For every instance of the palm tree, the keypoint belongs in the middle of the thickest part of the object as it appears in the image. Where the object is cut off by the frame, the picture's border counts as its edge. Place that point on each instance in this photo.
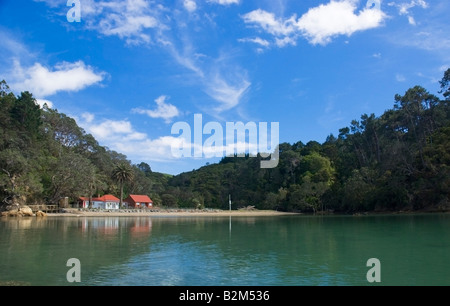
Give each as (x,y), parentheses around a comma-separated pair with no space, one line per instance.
(122,173)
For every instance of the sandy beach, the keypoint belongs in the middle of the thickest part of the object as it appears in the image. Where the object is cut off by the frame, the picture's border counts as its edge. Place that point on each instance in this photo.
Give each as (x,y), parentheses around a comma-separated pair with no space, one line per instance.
(170,213)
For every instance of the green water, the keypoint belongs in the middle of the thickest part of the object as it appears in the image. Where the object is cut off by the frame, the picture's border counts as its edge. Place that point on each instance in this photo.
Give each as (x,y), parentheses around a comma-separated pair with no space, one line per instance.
(256,251)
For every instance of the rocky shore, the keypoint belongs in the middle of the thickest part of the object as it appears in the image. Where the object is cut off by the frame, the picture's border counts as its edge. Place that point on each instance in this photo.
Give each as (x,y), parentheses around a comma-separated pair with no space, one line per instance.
(20,211)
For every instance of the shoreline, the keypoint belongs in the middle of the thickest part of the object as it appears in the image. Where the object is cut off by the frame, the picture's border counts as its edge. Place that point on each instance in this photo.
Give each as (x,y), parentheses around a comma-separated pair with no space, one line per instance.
(74,213)
(164,213)
(71,213)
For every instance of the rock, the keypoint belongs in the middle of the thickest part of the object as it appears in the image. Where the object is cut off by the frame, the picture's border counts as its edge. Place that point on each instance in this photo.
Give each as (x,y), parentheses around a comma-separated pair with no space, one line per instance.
(15,213)
(41,214)
(23,211)
(26,211)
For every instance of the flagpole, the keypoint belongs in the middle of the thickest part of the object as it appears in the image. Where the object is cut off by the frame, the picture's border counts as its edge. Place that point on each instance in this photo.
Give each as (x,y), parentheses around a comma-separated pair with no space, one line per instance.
(229,202)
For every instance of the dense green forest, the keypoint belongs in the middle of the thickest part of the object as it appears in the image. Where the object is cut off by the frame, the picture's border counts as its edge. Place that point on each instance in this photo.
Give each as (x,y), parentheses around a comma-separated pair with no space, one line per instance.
(45,155)
(397,161)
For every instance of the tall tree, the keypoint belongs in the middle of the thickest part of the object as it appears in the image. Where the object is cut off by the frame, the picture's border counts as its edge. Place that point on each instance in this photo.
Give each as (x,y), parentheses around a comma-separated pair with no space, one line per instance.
(69,176)
(445,84)
(27,114)
(144,167)
(122,173)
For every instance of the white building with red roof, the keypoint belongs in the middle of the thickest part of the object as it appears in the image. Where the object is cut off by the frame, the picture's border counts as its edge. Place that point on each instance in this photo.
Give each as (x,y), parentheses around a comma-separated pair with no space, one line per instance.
(105,202)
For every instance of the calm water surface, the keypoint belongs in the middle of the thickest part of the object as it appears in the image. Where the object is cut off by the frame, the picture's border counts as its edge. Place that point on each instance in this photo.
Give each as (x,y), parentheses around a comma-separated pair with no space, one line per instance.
(255,251)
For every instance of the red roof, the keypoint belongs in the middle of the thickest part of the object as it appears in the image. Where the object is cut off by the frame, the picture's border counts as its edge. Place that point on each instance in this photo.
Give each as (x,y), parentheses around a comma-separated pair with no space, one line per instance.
(105,198)
(109,198)
(140,198)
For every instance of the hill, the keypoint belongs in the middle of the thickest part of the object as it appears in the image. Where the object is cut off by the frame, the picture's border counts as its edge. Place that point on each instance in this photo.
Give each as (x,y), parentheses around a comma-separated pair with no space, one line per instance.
(45,155)
(397,161)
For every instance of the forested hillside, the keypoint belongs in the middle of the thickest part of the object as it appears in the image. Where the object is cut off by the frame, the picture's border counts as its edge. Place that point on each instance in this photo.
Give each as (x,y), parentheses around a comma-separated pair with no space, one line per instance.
(45,155)
(397,161)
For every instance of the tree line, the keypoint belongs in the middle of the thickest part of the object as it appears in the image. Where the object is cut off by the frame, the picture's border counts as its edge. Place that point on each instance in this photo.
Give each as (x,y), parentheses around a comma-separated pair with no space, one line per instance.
(397,161)
(45,156)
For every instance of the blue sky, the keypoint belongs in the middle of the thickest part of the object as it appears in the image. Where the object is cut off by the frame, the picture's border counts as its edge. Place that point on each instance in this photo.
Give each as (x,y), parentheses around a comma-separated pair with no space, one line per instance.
(131,69)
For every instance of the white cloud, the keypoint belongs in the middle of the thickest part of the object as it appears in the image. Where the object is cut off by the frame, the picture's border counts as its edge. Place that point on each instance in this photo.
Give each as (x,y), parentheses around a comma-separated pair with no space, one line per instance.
(190,5)
(268,22)
(88,117)
(121,136)
(41,103)
(228,94)
(129,27)
(221,79)
(225,2)
(150,22)
(411,20)
(164,110)
(159,149)
(405,7)
(257,40)
(129,20)
(43,82)
(285,41)
(377,55)
(109,128)
(320,24)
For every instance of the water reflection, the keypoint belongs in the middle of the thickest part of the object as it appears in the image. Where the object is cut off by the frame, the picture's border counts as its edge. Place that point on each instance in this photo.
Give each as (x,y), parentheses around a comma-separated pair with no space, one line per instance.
(36,250)
(226,251)
(109,227)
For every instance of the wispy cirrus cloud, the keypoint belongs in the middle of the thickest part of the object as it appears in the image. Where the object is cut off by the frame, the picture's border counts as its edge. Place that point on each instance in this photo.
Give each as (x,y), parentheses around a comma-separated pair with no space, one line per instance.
(225,2)
(220,77)
(227,93)
(262,44)
(404,8)
(11,46)
(141,22)
(256,40)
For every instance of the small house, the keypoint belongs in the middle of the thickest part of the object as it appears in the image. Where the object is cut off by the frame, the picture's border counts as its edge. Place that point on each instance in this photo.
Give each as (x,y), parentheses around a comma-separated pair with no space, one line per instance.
(105,202)
(139,201)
